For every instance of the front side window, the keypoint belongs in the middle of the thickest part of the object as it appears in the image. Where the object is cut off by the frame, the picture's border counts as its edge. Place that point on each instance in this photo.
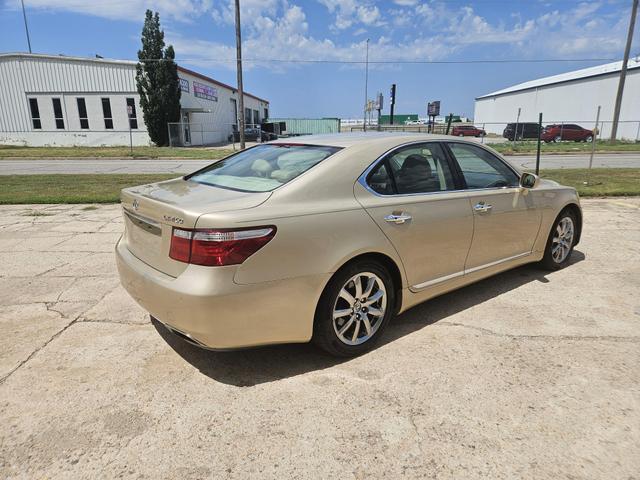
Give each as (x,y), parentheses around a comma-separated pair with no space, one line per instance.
(57,113)
(481,169)
(262,168)
(106,112)
(415,169)
(82,113)
(131,112)
(35,113)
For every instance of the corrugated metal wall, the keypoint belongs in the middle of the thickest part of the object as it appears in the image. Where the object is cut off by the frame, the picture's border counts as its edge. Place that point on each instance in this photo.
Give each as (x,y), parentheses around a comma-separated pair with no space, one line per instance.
(310,126)
(22,76)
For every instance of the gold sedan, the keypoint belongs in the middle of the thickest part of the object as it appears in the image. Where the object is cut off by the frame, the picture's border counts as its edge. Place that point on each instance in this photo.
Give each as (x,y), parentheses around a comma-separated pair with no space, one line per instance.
(327,238)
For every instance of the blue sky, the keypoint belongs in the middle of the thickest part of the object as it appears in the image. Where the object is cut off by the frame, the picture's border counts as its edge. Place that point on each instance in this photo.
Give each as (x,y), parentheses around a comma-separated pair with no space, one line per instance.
(202,32)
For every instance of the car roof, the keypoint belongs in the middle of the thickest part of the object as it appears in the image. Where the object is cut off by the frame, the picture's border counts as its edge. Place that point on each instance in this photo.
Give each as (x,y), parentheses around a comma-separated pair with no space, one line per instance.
(345,140)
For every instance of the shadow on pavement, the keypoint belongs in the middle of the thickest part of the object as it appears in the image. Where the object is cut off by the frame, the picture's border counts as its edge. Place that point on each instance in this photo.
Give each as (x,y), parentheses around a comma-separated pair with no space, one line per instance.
(251,367)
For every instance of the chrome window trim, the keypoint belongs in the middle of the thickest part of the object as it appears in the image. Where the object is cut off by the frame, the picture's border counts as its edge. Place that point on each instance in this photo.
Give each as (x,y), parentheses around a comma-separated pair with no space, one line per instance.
(362,179)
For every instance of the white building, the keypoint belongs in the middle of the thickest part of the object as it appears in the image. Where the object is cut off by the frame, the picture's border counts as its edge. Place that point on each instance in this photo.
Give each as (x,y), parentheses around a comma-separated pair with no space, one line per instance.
(571,97)
(60,100)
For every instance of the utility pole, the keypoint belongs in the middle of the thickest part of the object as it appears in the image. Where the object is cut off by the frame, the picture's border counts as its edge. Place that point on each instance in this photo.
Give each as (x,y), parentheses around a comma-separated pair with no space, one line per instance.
(239,69)
(366,86)
(26,27)
(623,72)
(392,102)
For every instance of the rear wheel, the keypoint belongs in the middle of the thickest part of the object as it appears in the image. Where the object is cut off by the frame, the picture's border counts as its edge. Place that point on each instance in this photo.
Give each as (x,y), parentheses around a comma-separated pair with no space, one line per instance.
(557,139)
(589,139)
(562,239)
(354,309)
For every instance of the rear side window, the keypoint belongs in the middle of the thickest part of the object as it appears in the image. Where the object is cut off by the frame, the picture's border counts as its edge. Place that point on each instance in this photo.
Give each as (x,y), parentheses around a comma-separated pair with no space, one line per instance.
(414,169)
(481,169)
(263,168)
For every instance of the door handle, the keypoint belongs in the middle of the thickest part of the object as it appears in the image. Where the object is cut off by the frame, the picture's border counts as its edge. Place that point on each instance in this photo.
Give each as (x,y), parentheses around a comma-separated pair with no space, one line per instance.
(398,219)
(482,207)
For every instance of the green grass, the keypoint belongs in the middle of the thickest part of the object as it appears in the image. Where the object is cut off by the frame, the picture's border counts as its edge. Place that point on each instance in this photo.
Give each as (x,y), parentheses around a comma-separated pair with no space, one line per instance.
(7,151)
(16,189)
(93,189)
(602,182)
(602,146)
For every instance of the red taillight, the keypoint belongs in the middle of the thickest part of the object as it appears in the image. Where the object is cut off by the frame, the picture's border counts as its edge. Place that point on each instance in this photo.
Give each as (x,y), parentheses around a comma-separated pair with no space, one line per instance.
(181,245)
(214,247)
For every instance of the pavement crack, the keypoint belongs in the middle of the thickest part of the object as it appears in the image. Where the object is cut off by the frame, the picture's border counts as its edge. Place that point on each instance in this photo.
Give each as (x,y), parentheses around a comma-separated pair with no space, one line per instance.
(35,352)
(116,322)
(493,333)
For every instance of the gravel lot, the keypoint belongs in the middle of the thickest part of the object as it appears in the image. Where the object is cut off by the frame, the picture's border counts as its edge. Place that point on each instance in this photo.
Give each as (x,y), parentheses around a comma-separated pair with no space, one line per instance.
(525,375)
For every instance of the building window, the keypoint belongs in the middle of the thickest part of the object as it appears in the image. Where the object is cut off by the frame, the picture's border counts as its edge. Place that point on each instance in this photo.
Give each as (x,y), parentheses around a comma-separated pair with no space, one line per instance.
(57,113)
(131,111)
(106,112)
(266,114)
(247,117)
(82,113)
(256,117)
(35,113)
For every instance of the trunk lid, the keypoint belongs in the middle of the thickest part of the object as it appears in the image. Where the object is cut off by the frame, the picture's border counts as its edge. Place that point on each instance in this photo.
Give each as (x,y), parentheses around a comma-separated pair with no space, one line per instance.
(151,211)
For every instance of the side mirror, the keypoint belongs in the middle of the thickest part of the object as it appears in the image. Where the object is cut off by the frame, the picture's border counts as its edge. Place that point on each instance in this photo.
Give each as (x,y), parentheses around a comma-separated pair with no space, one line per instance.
(528,180)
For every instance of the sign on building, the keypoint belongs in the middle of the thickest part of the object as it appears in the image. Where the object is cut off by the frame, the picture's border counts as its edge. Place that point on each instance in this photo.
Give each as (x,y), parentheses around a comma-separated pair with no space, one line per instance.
(201,90)
(184,85)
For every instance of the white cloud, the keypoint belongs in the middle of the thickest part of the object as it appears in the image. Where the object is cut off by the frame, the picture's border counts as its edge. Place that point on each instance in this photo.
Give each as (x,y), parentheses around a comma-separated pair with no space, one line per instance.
(402,30)
(350,13)
(181,10)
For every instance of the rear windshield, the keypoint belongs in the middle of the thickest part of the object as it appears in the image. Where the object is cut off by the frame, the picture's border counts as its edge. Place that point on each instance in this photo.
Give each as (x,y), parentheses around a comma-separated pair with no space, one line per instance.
(263,168)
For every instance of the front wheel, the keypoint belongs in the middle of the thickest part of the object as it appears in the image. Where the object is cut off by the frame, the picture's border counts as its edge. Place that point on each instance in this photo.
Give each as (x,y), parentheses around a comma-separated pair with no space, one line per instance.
(562,239)
(557,139)
(589,139)
(354,309)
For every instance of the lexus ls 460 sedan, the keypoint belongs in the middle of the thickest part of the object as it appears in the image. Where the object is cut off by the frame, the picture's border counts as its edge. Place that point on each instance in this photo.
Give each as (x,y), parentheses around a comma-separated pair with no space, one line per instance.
(329,238)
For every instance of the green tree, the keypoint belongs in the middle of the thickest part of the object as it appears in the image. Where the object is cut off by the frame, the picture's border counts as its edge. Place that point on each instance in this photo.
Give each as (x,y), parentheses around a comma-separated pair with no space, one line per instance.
(157,81)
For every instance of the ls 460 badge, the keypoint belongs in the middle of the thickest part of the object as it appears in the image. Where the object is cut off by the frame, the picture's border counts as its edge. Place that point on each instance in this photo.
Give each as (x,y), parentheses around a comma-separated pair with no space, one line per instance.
(176,220)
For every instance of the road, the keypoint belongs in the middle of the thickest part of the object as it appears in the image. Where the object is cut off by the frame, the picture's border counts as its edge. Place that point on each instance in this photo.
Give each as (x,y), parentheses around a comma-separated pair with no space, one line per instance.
(525,375)
(127,165)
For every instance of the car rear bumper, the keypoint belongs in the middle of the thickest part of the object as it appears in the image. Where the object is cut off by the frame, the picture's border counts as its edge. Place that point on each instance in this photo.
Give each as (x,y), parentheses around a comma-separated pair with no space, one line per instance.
(207,306)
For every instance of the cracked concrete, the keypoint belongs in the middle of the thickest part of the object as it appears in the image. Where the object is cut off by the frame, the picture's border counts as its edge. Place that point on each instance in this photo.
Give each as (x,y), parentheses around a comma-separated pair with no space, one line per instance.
(525,375)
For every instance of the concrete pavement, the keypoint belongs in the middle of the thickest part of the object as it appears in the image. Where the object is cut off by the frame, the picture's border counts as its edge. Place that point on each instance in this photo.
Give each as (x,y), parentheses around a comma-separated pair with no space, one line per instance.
(528,375)
(125,165)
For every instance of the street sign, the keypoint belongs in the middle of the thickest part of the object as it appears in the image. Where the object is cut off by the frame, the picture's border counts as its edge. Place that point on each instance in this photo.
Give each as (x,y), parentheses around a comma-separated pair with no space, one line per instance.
(379,102)
(433,108)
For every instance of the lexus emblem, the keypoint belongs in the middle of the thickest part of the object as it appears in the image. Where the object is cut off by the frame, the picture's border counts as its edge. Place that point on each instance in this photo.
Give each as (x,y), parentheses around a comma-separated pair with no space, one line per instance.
(135,204)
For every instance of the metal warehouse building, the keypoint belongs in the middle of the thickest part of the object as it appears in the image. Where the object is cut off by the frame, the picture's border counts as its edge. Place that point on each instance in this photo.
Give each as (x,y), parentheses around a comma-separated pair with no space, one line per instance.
(60,100)
(571,97)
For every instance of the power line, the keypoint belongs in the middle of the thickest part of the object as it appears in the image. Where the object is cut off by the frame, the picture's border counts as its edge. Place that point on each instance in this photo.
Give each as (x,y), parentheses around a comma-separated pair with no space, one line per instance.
(389,62)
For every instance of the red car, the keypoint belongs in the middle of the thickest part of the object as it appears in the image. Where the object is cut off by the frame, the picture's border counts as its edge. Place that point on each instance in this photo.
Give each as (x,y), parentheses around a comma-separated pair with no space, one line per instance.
(557,133)
(467,131)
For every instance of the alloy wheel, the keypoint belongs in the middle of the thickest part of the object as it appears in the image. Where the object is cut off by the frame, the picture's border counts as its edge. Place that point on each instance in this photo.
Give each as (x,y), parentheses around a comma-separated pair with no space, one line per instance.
(562,240)
(359,309)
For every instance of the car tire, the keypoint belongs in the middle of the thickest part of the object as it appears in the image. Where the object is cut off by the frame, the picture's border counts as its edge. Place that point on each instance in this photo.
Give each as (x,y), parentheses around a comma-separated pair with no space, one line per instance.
(560,243)
(589,139)
(356,331)
(557,139)
(461,134)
